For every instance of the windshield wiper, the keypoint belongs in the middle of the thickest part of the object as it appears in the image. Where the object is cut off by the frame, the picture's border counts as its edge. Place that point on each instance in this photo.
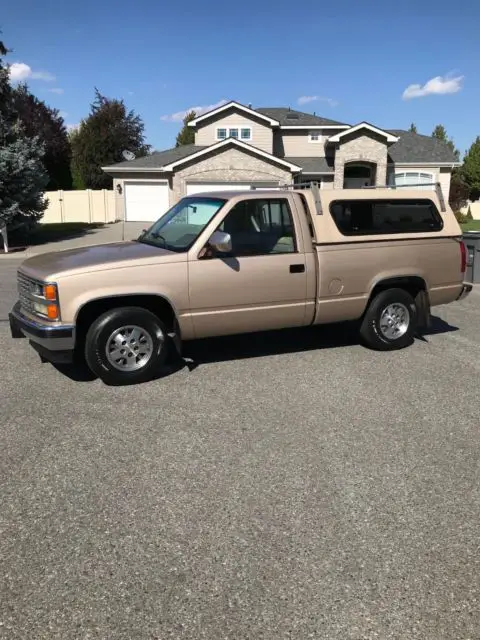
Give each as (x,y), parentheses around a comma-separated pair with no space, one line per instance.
(145,237)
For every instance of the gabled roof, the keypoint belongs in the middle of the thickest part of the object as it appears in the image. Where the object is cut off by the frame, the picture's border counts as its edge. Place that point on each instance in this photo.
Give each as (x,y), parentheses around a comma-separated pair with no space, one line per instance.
(157,160)
(236,105)
(314,165)
(236,143)
(413,148)
(168,160)
(289,117)
(364,125)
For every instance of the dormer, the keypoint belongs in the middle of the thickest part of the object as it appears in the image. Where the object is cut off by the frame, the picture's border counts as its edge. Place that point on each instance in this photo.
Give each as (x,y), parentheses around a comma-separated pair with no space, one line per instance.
(235,120)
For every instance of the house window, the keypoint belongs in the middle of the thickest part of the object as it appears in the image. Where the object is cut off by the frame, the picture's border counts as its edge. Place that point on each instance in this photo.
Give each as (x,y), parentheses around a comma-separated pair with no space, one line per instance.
(414,179)
(244,133)
(373,217)
(315,136)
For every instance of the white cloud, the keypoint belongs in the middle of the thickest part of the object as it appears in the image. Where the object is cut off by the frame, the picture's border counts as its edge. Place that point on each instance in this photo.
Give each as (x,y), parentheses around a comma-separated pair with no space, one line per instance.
(307,99)
(72,127)
(56,90)
(180,115)
(436,86)
(20,71)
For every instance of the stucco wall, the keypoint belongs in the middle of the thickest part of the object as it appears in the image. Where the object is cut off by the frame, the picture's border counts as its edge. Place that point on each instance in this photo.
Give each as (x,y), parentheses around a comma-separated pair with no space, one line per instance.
(361,148)
(231,165)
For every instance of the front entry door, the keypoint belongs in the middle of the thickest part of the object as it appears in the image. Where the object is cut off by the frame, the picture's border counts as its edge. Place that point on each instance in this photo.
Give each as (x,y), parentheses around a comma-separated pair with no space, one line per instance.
(261,284)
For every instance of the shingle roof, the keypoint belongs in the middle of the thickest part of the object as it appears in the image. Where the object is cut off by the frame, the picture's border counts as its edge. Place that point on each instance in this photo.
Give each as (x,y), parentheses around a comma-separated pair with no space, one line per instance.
(314,165)
(287,116)
(159,159)
(413,147)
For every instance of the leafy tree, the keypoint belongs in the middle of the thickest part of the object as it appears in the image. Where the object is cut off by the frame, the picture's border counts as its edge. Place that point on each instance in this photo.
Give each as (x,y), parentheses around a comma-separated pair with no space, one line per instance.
(441,134)
(22,175)
(40,120)
(459,190)
(471,169)
(101,138)
(186,134)
(413,128)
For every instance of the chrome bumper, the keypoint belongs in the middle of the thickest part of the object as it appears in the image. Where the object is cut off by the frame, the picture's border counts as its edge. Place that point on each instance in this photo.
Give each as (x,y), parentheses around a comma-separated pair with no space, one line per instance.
(466,288)
(47,337)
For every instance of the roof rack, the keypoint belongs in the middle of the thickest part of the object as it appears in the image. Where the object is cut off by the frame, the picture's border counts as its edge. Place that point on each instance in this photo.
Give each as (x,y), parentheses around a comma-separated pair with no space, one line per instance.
(437,185)
(314,188)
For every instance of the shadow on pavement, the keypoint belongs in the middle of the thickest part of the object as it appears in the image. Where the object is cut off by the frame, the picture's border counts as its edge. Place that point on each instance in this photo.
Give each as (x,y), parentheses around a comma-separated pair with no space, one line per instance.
(55,232)
(256,345)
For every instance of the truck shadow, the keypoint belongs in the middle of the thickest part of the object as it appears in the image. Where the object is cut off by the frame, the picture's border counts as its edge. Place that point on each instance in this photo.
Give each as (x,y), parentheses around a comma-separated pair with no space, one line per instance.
(259,345)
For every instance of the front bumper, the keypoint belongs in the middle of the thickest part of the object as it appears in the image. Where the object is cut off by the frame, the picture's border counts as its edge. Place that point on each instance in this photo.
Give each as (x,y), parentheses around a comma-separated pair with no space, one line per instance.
(54,343)
(466,289)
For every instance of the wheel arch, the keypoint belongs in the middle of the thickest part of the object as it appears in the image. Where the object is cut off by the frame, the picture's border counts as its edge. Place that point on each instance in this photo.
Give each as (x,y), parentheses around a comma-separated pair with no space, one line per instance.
(160,305)
(415,285)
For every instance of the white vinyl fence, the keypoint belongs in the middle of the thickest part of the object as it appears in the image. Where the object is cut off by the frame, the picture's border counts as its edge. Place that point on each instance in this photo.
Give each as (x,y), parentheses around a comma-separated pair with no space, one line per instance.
(474,209)
(80,206)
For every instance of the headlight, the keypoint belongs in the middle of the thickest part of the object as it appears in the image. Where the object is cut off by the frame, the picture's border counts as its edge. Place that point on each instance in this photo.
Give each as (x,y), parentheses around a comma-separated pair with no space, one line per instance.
(45,300)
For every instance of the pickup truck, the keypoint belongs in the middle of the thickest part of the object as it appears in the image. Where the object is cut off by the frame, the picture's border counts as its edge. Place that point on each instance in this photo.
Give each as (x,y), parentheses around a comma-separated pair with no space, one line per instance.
(234,262)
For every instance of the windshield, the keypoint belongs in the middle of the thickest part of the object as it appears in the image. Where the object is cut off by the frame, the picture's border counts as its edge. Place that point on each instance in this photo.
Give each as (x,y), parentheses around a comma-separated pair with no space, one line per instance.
(181,225)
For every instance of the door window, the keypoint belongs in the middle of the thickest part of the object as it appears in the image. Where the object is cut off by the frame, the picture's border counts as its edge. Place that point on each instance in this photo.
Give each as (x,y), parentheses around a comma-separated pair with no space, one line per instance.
(260,227)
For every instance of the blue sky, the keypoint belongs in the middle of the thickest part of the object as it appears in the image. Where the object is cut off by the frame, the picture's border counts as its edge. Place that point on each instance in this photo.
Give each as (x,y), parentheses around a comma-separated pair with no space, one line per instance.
(356,59)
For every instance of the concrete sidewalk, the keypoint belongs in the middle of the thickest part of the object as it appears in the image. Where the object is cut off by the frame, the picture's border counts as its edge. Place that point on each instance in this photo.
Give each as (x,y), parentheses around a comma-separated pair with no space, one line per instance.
(117,232)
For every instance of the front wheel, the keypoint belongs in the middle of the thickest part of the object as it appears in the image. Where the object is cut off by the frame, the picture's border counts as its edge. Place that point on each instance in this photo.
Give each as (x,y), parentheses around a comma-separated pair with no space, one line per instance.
(390,321)
(126,345)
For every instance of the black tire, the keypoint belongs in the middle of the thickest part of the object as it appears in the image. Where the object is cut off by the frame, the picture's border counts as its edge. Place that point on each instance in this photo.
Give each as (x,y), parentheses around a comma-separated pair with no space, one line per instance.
(97,340)
(371,331)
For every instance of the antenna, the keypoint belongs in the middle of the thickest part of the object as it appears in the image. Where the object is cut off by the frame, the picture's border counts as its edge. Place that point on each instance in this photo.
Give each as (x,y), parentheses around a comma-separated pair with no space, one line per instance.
(128,155)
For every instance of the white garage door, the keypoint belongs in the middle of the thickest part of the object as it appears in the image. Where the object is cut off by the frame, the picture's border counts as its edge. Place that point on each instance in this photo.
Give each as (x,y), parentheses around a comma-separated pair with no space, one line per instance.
(145,201)
(224,186)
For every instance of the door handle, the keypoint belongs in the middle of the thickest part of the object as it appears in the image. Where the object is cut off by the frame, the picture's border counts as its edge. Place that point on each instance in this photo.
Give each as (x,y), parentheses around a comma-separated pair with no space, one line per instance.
(297,268)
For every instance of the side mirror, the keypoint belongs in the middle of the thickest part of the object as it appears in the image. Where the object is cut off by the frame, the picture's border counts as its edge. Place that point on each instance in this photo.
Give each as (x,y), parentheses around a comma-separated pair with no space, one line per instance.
(221,241)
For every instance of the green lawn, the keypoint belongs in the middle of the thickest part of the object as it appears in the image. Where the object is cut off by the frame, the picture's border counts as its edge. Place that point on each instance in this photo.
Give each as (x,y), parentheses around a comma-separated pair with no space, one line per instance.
(471,225)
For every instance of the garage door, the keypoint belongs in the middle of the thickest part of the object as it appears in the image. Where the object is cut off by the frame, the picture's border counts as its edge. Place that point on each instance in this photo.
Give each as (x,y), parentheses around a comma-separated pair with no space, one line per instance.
(223,186)
(145,201)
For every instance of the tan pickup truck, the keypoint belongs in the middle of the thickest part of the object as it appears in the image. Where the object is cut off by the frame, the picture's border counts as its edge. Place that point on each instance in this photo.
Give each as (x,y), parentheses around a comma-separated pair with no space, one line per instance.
(235,262)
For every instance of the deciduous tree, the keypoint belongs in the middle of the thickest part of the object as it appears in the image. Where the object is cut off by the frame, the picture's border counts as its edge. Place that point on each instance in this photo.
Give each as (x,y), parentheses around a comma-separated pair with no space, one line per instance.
(108,130)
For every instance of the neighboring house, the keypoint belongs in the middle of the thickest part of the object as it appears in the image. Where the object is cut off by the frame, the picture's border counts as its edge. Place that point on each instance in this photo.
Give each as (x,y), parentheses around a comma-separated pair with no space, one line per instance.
(237,147)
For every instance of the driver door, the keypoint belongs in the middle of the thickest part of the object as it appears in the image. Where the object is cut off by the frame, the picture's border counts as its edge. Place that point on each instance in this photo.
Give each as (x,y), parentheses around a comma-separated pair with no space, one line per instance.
(261,284)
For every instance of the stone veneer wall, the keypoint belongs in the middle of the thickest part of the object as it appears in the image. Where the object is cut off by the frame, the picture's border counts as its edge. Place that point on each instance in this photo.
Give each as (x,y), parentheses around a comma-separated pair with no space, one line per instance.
(362,148)
(231,165)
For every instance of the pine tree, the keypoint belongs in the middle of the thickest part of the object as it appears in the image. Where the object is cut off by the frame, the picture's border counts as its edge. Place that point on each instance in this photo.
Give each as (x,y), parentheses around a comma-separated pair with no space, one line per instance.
(186,134)
(22,174)
(102,136)
(440,133)
(40,120)
(471,169)
(413,128)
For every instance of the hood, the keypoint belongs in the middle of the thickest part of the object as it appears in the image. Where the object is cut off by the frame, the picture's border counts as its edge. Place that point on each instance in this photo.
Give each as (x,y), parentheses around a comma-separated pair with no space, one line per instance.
(95,258)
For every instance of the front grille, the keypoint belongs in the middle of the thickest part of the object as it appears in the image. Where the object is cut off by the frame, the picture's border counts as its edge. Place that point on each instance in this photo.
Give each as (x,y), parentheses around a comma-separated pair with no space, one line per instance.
(26,287)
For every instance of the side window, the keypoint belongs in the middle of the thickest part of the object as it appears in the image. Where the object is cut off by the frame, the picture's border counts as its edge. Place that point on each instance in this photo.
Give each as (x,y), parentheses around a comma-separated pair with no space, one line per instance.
(371,217)
(260,227)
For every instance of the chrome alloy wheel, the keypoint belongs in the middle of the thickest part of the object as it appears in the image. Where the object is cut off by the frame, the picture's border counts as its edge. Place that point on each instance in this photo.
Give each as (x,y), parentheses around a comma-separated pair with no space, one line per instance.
(394,321)
(129,348)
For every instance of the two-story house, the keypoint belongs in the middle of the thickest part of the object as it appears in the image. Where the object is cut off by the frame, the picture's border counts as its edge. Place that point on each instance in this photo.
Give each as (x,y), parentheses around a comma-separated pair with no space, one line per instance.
(237,147)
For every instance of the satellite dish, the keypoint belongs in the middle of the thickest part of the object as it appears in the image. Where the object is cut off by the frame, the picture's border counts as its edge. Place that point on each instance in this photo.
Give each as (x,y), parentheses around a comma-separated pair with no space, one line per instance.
(128,155)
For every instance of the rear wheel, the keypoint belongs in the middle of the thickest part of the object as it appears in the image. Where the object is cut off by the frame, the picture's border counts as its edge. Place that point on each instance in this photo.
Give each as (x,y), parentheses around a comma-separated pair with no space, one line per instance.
(390,321)
(127,345)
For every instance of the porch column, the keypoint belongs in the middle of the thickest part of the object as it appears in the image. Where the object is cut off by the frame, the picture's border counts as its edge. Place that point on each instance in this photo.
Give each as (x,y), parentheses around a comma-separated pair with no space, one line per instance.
(339,173)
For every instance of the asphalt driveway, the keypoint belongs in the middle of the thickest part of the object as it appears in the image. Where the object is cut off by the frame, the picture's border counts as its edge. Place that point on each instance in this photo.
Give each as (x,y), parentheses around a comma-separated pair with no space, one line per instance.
(295,486)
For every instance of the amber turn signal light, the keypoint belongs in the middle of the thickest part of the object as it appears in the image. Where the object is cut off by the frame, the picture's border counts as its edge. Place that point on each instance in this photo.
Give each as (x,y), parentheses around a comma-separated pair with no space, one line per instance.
(52,311)
(50,291)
